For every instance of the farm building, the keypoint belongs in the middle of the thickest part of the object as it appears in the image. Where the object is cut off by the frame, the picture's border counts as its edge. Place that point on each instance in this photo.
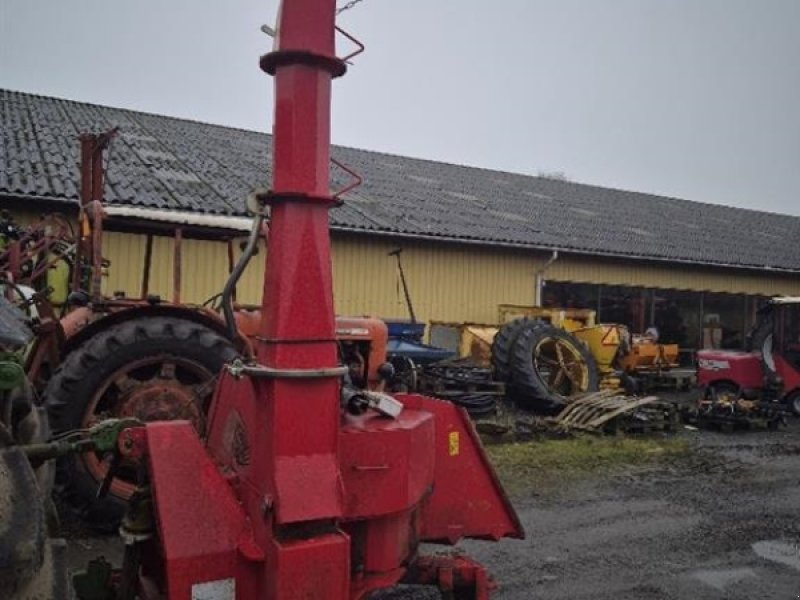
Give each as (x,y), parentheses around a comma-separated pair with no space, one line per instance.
(472,238)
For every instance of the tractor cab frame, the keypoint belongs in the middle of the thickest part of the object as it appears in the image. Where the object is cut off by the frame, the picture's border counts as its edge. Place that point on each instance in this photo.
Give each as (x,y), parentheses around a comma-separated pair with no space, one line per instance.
(769,371)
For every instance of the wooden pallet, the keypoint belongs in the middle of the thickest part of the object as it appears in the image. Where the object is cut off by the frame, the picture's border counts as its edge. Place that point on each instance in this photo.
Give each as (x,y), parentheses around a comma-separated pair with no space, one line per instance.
(613,412)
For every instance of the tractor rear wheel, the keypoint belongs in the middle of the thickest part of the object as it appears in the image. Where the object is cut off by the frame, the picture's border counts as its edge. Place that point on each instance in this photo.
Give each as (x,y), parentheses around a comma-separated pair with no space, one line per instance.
(793,402)
(156,368)
(503,346)
(549,366)
(32,564)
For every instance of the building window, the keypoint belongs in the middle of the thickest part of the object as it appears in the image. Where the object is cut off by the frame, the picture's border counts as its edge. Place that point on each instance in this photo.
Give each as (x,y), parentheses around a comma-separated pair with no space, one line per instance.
(678,317)
(570,295)
(724,321)
(692,320)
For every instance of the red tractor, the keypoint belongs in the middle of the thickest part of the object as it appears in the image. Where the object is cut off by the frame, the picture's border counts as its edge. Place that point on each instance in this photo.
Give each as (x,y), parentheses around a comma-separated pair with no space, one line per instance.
(767,376)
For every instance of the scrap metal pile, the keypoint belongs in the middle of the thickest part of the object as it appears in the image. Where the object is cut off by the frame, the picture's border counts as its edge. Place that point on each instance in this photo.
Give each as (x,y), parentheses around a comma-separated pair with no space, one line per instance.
(556,363)
(463,383)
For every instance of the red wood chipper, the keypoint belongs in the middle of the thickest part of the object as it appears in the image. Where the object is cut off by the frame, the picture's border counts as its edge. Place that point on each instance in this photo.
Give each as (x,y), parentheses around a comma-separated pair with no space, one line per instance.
(307,487)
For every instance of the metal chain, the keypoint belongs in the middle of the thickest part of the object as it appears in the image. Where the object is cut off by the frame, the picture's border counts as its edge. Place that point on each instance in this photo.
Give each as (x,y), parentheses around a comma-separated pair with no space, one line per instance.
(347,6)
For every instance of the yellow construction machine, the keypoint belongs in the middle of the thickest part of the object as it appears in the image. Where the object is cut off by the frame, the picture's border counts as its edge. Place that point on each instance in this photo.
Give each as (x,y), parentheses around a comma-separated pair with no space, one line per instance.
(547,356)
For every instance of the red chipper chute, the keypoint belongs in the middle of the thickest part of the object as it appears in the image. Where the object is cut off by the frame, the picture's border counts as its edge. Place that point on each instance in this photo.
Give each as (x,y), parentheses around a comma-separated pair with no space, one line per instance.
(308,487)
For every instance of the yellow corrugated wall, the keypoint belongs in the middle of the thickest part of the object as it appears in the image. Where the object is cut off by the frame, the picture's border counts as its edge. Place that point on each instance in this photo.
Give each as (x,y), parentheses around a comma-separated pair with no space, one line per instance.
(204,268)
(448,282)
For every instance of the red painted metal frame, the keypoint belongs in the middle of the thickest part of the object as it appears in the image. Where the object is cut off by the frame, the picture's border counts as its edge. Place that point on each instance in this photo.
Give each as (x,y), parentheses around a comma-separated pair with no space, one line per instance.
(729,366)
(92,193)
(292,497)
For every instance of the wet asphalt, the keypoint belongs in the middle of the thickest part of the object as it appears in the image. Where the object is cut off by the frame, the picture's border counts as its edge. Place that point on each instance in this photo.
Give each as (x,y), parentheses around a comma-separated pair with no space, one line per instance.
(720,522)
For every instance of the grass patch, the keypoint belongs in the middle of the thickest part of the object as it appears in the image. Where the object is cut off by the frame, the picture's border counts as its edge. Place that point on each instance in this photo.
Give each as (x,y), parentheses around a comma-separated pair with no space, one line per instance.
(540,463)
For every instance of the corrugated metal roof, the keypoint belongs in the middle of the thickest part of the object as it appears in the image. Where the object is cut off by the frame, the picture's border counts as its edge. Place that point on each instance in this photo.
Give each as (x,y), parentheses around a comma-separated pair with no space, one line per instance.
(169,163)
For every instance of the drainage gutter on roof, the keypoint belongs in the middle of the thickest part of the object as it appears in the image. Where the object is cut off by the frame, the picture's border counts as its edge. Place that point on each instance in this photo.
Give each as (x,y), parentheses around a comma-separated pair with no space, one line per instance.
(244,223)
(180,217)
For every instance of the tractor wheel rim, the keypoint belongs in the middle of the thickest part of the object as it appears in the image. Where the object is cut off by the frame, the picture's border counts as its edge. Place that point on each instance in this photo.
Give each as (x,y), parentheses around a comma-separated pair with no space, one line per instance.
(561,367)
(156,388)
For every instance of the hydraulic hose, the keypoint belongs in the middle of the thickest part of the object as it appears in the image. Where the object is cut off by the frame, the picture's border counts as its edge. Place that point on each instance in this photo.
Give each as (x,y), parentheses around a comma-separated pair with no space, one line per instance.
(236,274)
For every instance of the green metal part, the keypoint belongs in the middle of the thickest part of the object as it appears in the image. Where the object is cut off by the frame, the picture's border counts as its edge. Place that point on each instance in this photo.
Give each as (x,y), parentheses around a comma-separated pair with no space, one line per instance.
(100,438)
(12,373)
(94,583)
(104,435)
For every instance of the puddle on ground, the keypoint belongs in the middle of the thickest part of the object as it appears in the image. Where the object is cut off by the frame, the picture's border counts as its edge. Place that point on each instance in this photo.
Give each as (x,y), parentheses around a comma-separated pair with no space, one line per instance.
(779,551)
(721,578)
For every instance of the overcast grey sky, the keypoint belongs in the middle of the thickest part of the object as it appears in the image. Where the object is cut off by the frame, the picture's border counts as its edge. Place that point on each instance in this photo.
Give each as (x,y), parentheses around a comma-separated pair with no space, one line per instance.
(698,99)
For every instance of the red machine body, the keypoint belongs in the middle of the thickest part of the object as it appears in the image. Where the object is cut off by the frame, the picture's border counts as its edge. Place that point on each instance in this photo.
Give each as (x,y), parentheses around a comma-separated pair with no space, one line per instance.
(294,496)
(742,369)
(772,369)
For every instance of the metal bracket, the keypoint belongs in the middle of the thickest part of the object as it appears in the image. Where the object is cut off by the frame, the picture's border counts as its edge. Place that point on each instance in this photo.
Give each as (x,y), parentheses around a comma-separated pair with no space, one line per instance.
(359,50)
(357,180)
(238,369)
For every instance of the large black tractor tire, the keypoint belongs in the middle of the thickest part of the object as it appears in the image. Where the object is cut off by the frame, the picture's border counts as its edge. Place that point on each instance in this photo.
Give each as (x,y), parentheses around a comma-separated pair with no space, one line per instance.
(32,565)
(155,368)
(540,381)
(503,346)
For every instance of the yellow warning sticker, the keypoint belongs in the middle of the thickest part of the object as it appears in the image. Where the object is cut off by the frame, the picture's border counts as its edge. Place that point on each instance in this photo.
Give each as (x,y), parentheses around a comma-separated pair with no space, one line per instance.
(452,443)
(611,337)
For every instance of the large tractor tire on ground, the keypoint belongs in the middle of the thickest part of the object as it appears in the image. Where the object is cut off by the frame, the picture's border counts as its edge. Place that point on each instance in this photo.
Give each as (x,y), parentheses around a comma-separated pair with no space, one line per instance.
(32,565)
(503,346)
(155,368)
(549,366)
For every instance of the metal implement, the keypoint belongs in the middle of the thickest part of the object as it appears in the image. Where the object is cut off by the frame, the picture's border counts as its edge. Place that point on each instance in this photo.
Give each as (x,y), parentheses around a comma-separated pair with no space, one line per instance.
(755,388)
(305,487)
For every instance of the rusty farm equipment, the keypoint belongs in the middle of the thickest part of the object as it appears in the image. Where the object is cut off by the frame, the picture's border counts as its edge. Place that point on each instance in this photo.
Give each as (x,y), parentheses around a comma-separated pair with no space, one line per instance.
(95,357)
(305,485)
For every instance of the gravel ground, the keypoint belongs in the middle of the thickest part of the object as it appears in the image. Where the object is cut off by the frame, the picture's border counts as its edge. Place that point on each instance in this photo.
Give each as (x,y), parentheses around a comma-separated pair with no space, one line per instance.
(718,522)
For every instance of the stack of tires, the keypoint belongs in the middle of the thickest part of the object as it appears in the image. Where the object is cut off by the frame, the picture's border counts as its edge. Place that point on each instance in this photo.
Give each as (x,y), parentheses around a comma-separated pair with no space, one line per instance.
(542,365)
